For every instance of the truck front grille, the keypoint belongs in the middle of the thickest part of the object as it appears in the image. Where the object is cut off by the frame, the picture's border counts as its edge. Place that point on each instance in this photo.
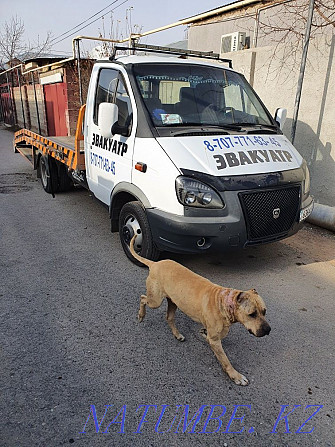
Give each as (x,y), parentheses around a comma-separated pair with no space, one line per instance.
(269,214)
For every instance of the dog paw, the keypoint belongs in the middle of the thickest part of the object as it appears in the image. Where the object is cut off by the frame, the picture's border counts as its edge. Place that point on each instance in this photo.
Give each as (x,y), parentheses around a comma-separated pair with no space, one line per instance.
(239,379)
(203,332)
(180,338)
(140,318)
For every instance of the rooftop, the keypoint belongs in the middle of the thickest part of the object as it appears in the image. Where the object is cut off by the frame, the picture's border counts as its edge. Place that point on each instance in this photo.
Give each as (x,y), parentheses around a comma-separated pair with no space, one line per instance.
(222,9)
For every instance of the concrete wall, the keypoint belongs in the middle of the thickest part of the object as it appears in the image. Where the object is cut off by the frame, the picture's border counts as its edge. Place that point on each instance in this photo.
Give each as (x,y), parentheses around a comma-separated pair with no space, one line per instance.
(264,22)
(207,36)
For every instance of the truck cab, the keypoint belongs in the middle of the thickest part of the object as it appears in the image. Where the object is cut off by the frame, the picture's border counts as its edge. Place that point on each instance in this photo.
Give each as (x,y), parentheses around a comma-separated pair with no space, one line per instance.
(186,155)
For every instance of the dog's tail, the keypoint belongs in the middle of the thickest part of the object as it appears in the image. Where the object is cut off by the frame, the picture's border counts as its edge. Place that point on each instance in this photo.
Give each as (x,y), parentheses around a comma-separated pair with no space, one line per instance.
(144,261)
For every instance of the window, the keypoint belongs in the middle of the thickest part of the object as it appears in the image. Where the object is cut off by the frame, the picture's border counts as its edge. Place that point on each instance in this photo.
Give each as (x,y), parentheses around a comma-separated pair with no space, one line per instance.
(169,92)
(187,94)
(111,88)
(124,105)
(105,90)
(244,104)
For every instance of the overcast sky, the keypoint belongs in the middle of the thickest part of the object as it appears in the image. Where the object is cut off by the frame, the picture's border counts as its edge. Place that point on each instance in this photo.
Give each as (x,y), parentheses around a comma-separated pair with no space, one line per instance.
(59,16)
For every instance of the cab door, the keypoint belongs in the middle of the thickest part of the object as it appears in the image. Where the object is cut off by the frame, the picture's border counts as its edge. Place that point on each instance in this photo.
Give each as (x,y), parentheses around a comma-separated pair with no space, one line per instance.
(109,160)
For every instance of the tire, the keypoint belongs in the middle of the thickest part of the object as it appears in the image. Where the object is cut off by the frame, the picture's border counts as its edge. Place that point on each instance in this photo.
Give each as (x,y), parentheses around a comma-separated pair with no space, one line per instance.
(65,182)
(49,174)
(133,220)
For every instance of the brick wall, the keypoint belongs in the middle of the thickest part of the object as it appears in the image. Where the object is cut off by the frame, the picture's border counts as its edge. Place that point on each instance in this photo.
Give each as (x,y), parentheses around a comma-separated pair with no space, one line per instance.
(73,95)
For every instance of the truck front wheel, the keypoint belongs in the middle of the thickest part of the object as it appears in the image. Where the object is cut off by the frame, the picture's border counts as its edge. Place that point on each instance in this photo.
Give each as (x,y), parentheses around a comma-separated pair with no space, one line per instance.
(133,220)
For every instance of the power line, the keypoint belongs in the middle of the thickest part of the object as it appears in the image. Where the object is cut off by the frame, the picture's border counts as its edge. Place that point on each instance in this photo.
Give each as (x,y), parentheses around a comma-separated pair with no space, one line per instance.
(81,23)
(89,23)
(75,27)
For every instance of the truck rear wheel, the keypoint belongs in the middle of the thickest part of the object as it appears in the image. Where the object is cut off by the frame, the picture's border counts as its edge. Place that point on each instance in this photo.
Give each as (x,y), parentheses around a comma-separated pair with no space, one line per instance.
(133,220)
(48,174)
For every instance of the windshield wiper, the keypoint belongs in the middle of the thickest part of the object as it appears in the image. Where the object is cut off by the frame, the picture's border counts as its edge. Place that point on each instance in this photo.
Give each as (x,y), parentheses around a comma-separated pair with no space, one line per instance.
(217,129)
(228,126)
(198,129)
(258,128)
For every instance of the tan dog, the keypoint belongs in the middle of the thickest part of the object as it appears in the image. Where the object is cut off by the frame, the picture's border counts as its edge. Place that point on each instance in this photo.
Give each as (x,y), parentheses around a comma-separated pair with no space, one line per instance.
(214,306)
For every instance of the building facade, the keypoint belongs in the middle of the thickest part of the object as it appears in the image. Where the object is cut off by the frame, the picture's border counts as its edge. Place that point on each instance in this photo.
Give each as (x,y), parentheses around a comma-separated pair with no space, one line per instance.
(45,101)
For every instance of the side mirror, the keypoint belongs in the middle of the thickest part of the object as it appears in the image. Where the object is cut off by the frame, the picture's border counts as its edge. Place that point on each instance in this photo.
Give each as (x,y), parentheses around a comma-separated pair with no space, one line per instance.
(120,130)
(280,117)
(107,116)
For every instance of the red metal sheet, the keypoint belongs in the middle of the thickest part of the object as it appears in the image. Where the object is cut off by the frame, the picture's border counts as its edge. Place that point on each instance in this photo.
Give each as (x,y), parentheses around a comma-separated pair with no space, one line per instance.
(56,109)
(7,108)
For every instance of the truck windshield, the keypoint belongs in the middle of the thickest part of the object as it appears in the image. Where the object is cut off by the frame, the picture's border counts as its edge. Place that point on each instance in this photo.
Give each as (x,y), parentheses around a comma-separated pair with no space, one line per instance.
(186,94)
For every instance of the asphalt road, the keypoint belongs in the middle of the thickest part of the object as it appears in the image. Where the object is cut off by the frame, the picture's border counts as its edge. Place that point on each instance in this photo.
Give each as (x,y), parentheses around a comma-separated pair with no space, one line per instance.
(77,367)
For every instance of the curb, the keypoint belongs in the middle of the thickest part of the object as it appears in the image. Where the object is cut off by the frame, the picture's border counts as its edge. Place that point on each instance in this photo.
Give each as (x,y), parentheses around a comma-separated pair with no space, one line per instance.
(323,216)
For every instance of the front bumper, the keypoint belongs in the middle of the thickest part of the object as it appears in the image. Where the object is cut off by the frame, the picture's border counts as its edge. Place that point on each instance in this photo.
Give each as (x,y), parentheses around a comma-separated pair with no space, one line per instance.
(191,234)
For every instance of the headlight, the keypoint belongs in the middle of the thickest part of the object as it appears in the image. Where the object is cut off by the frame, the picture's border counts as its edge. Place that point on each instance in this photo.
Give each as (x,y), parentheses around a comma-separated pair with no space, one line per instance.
(307,180)
(191,192)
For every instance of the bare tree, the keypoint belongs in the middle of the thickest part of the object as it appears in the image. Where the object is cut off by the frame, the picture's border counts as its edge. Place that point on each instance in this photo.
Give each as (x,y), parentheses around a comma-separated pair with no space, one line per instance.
(285,24)
(105,49)
(12,44)
(11,39)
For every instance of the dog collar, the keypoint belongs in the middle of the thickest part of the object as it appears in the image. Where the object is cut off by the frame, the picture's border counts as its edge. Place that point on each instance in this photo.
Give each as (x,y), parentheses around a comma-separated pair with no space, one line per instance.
(230,302)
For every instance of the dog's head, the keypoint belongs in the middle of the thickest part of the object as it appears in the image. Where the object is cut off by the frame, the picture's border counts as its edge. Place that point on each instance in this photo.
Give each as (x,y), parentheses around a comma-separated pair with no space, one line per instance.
(248,308)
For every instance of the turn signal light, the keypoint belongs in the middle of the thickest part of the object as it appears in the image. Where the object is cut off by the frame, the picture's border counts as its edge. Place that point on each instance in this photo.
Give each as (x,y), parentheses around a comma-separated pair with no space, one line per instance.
(142,167)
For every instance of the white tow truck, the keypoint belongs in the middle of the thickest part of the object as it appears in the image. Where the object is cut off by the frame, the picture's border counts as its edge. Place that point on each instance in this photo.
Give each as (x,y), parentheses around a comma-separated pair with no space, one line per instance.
(182,151)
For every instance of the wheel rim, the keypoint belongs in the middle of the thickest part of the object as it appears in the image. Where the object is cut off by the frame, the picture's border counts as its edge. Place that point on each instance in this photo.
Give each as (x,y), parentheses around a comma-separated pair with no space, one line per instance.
(44,175)
(130,228)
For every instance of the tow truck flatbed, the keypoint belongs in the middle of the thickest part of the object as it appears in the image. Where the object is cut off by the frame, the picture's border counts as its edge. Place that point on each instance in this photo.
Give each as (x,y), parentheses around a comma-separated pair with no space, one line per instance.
(67,150)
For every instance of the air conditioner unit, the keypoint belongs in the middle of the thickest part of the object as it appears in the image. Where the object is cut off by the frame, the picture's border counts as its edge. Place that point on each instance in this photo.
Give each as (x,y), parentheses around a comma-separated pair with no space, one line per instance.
(232,42)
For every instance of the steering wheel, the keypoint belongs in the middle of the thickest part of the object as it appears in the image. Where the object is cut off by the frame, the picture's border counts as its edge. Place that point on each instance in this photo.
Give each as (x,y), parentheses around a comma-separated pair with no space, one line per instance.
(216,114)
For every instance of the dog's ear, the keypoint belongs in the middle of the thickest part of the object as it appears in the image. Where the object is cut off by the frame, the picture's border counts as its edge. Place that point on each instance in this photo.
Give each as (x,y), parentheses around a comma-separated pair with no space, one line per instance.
(239,297)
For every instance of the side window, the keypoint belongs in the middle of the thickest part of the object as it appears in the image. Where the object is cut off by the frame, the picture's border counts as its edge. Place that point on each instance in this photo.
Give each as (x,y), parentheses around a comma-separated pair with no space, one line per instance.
(124,105)
(106,88)
(111,88)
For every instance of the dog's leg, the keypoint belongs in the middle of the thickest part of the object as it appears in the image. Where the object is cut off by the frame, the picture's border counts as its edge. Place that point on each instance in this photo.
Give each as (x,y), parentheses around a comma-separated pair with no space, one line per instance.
(216,346)
(171,310)
(142,310)
(153,298)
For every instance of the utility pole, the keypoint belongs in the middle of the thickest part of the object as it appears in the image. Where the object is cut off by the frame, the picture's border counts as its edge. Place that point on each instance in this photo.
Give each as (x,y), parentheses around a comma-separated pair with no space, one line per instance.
(302,69)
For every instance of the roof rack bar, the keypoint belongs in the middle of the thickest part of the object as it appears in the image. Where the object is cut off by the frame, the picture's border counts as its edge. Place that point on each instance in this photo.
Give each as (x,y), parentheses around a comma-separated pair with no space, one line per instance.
(169,50)
(180,50)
